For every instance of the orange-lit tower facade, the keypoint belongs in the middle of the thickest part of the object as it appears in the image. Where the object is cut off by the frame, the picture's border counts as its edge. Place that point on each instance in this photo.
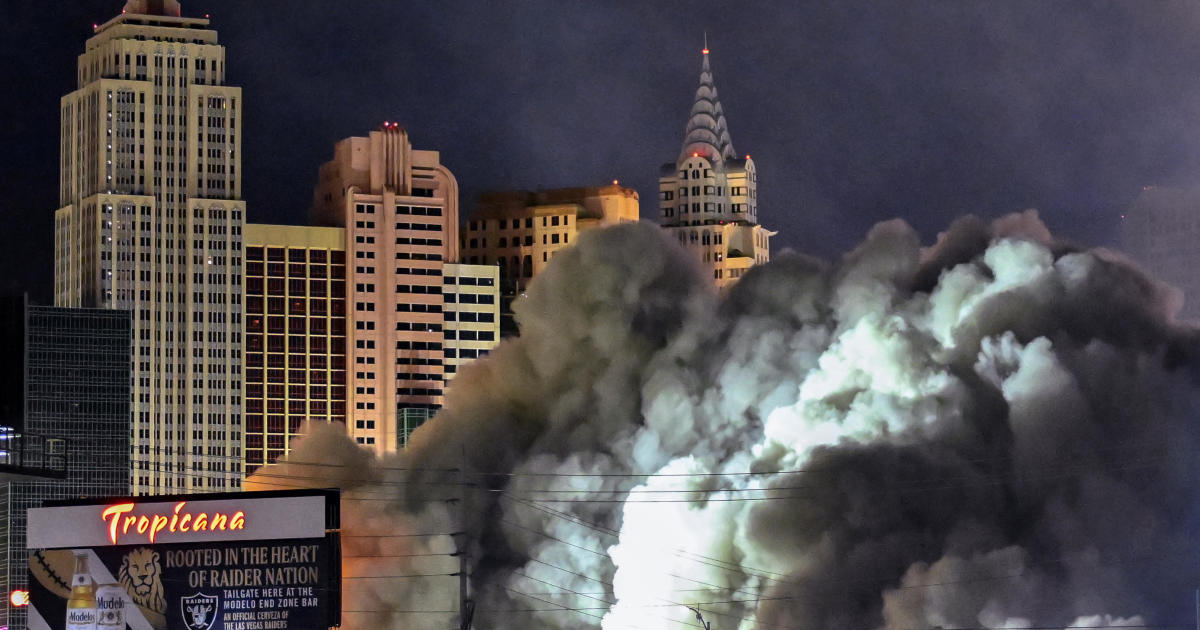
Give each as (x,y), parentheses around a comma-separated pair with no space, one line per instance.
(399,209)
(708,197)
(295,335)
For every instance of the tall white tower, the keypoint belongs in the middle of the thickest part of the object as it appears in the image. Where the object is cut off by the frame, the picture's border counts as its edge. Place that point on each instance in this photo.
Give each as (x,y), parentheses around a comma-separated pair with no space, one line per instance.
(151,222)
(708,197)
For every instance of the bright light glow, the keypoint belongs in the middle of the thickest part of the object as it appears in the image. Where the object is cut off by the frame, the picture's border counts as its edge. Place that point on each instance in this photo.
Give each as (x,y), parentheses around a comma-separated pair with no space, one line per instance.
(19,598)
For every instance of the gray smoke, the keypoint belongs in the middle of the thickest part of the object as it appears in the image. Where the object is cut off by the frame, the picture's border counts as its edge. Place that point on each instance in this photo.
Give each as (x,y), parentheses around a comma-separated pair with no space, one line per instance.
(994,431)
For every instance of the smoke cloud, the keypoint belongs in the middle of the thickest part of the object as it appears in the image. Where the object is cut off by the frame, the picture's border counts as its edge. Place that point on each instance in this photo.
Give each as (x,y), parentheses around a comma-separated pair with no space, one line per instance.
(997,430)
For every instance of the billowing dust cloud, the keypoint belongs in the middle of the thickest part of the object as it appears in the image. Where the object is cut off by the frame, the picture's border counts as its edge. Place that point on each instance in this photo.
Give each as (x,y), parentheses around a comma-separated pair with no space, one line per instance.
(997,430)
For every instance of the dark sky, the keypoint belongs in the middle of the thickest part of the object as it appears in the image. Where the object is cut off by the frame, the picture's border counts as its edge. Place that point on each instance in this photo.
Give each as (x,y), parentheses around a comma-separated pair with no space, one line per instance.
(855,112)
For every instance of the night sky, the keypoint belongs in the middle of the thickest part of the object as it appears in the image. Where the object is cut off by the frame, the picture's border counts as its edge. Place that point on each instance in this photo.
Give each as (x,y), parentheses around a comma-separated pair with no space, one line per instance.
(854,112)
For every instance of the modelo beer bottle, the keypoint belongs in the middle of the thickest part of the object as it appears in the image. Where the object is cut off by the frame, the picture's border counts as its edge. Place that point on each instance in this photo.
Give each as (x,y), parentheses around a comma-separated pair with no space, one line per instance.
(81,607)
(110,607)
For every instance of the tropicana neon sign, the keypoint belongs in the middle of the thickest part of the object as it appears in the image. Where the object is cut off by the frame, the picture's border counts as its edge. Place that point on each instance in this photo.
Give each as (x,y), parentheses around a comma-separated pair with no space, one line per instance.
(176,521)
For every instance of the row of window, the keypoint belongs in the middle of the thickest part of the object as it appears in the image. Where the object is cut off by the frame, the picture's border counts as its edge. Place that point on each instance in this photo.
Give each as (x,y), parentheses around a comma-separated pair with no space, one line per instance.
(295,254)
(469,281)
(420,211)
(295,270)
(503,224)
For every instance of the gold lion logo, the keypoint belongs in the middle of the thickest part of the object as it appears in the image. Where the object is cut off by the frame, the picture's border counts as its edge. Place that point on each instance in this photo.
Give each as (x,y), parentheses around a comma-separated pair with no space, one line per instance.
(141,576)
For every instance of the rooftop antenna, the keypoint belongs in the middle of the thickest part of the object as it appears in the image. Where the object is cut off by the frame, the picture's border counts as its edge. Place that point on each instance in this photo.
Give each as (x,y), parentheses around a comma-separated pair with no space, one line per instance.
(706,42)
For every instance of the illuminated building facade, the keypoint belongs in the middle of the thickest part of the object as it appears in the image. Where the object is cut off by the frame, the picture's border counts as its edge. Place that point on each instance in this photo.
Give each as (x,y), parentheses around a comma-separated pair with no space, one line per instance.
(399,210)
(72,367)
(520,231)
(471,316)
(151,223)
(295,335)
(708,197)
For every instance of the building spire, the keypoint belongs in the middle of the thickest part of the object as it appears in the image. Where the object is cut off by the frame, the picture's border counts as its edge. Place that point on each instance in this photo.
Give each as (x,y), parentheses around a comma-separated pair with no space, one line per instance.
(707,133)
(153,7)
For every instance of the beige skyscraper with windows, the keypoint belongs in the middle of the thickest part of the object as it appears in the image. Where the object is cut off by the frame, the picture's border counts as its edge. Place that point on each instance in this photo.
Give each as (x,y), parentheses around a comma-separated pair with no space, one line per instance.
(399,208)
(151,222)
(520,231)
(708,197)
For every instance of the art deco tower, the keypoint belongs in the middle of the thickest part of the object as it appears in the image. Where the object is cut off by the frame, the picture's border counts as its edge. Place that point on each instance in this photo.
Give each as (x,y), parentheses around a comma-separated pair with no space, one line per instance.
(709,196)
(413,314)
(151,222)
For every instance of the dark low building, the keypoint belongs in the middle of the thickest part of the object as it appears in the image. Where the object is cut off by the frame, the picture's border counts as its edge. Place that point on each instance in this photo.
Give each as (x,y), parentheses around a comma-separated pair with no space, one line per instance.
(65,401)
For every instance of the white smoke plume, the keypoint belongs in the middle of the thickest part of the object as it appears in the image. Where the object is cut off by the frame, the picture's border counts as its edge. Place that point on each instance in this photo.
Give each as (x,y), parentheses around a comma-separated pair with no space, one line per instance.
(998,430)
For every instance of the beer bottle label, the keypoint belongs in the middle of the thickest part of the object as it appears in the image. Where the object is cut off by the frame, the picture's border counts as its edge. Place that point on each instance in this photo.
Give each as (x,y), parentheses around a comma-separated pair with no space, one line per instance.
(81,619)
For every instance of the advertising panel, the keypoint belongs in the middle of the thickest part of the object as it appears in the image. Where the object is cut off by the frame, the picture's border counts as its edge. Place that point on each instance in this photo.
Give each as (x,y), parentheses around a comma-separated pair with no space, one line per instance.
(251,561)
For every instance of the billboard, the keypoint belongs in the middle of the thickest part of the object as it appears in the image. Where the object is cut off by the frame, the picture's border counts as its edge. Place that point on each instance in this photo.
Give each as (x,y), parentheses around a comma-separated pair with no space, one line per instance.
(247,561)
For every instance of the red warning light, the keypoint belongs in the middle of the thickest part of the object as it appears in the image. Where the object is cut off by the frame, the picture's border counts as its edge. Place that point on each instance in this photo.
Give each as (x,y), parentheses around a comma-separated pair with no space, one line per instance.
(19,598)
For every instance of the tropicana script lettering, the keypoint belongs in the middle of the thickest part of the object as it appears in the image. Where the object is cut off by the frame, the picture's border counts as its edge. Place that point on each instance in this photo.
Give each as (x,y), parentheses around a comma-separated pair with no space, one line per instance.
(120,521)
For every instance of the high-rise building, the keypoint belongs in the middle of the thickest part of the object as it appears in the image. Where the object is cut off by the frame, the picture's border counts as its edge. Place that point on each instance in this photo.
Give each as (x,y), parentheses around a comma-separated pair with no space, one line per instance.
(471,315)
(520,231)
(1160,231)
(399,209)
(708,197)
(72,367)
(151,222)
(295,335)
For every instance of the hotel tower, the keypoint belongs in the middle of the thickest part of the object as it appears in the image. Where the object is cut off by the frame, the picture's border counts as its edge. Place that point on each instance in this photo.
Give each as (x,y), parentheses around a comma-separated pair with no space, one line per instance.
(708,197)
(414,315)
(151,223)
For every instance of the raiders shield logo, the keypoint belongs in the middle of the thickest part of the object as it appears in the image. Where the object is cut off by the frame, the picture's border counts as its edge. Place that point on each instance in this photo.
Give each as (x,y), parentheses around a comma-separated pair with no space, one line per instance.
(199,611)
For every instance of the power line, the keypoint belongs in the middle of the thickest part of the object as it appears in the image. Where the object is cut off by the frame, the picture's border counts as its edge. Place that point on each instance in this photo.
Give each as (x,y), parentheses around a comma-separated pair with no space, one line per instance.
(404,576)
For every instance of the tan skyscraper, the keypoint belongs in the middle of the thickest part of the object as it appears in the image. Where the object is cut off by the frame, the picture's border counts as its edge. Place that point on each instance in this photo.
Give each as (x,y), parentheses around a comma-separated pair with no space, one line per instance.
(399,208)
(151,222)
(519,232)
(708,197)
